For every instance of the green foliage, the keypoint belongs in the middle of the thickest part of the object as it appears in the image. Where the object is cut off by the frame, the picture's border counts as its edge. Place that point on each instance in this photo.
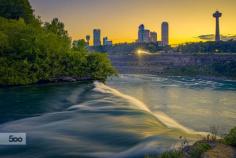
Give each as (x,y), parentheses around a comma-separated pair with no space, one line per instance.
(172,154)
(153,47)
(58,28)
(79,45)
(99,66)
(198,149)
(16,9)
(225,69)
(169,154)
(208,47)
(230,138)
(30,53)
(220,69)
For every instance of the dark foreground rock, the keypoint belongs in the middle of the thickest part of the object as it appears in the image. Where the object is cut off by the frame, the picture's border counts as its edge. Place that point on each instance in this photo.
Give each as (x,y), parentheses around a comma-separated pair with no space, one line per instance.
(209,149)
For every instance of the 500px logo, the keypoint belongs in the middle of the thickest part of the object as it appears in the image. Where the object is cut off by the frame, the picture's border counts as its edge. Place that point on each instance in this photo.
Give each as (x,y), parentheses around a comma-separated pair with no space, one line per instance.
(15,139)
(12,138)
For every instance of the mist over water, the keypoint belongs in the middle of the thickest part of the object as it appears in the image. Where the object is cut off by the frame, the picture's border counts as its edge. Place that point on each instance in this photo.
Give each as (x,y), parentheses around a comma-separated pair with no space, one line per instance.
(131,115)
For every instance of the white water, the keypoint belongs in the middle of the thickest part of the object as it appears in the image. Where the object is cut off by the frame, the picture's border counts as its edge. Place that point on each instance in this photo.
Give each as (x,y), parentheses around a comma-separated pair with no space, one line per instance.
(165,119)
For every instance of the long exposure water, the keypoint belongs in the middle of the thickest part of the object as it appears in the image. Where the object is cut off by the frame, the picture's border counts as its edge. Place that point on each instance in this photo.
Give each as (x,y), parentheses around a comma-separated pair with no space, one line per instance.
(129,116)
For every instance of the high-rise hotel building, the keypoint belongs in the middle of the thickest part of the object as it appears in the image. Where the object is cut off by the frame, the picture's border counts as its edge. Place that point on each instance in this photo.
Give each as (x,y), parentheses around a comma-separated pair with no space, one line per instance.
(165,33)
(96,37)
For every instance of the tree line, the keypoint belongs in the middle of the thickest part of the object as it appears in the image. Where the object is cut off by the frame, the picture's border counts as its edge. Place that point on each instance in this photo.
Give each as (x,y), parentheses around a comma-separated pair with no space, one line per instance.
(208,47)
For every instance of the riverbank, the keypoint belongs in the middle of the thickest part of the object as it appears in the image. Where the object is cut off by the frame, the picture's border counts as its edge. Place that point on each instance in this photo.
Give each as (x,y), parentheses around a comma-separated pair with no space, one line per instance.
(59,80)
(208,147)
(201,149)
(65,79)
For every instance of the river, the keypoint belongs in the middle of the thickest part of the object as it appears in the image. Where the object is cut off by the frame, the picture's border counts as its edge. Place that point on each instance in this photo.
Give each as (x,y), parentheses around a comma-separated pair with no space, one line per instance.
(129,116)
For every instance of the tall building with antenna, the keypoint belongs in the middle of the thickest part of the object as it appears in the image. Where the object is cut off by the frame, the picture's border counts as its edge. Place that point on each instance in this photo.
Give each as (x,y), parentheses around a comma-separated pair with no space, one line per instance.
(217,16)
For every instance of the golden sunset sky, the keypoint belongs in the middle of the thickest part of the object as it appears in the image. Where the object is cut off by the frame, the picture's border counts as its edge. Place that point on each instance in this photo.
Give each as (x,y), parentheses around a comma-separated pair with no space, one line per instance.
(119,19)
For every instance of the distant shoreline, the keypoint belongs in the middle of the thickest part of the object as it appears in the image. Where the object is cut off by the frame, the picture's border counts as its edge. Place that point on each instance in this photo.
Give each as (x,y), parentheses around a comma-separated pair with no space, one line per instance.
(208,66)
(64,80)
(164,65)
(211,78)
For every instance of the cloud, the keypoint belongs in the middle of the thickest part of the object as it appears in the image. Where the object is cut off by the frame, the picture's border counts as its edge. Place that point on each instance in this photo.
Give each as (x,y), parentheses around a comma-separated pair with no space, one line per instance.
(228,37)
(211,37)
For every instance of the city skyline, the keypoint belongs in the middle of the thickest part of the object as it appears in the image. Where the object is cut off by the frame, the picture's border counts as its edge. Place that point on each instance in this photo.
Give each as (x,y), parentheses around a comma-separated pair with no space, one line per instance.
(119,19)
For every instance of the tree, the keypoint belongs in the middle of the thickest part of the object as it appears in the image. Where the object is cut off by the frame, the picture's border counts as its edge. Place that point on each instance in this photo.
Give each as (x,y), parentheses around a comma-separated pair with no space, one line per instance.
(57,27)
(80,45)
(29,54)
(16,9)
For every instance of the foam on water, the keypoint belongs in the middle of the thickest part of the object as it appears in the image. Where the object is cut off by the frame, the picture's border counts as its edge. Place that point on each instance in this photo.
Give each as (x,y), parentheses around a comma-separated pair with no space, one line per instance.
(165,119)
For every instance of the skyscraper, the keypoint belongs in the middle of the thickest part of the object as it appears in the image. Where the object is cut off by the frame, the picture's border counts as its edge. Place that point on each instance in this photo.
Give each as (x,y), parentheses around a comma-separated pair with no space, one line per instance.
(165,33)
(96,37)
(141,33)
(153,37)
(146,38)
